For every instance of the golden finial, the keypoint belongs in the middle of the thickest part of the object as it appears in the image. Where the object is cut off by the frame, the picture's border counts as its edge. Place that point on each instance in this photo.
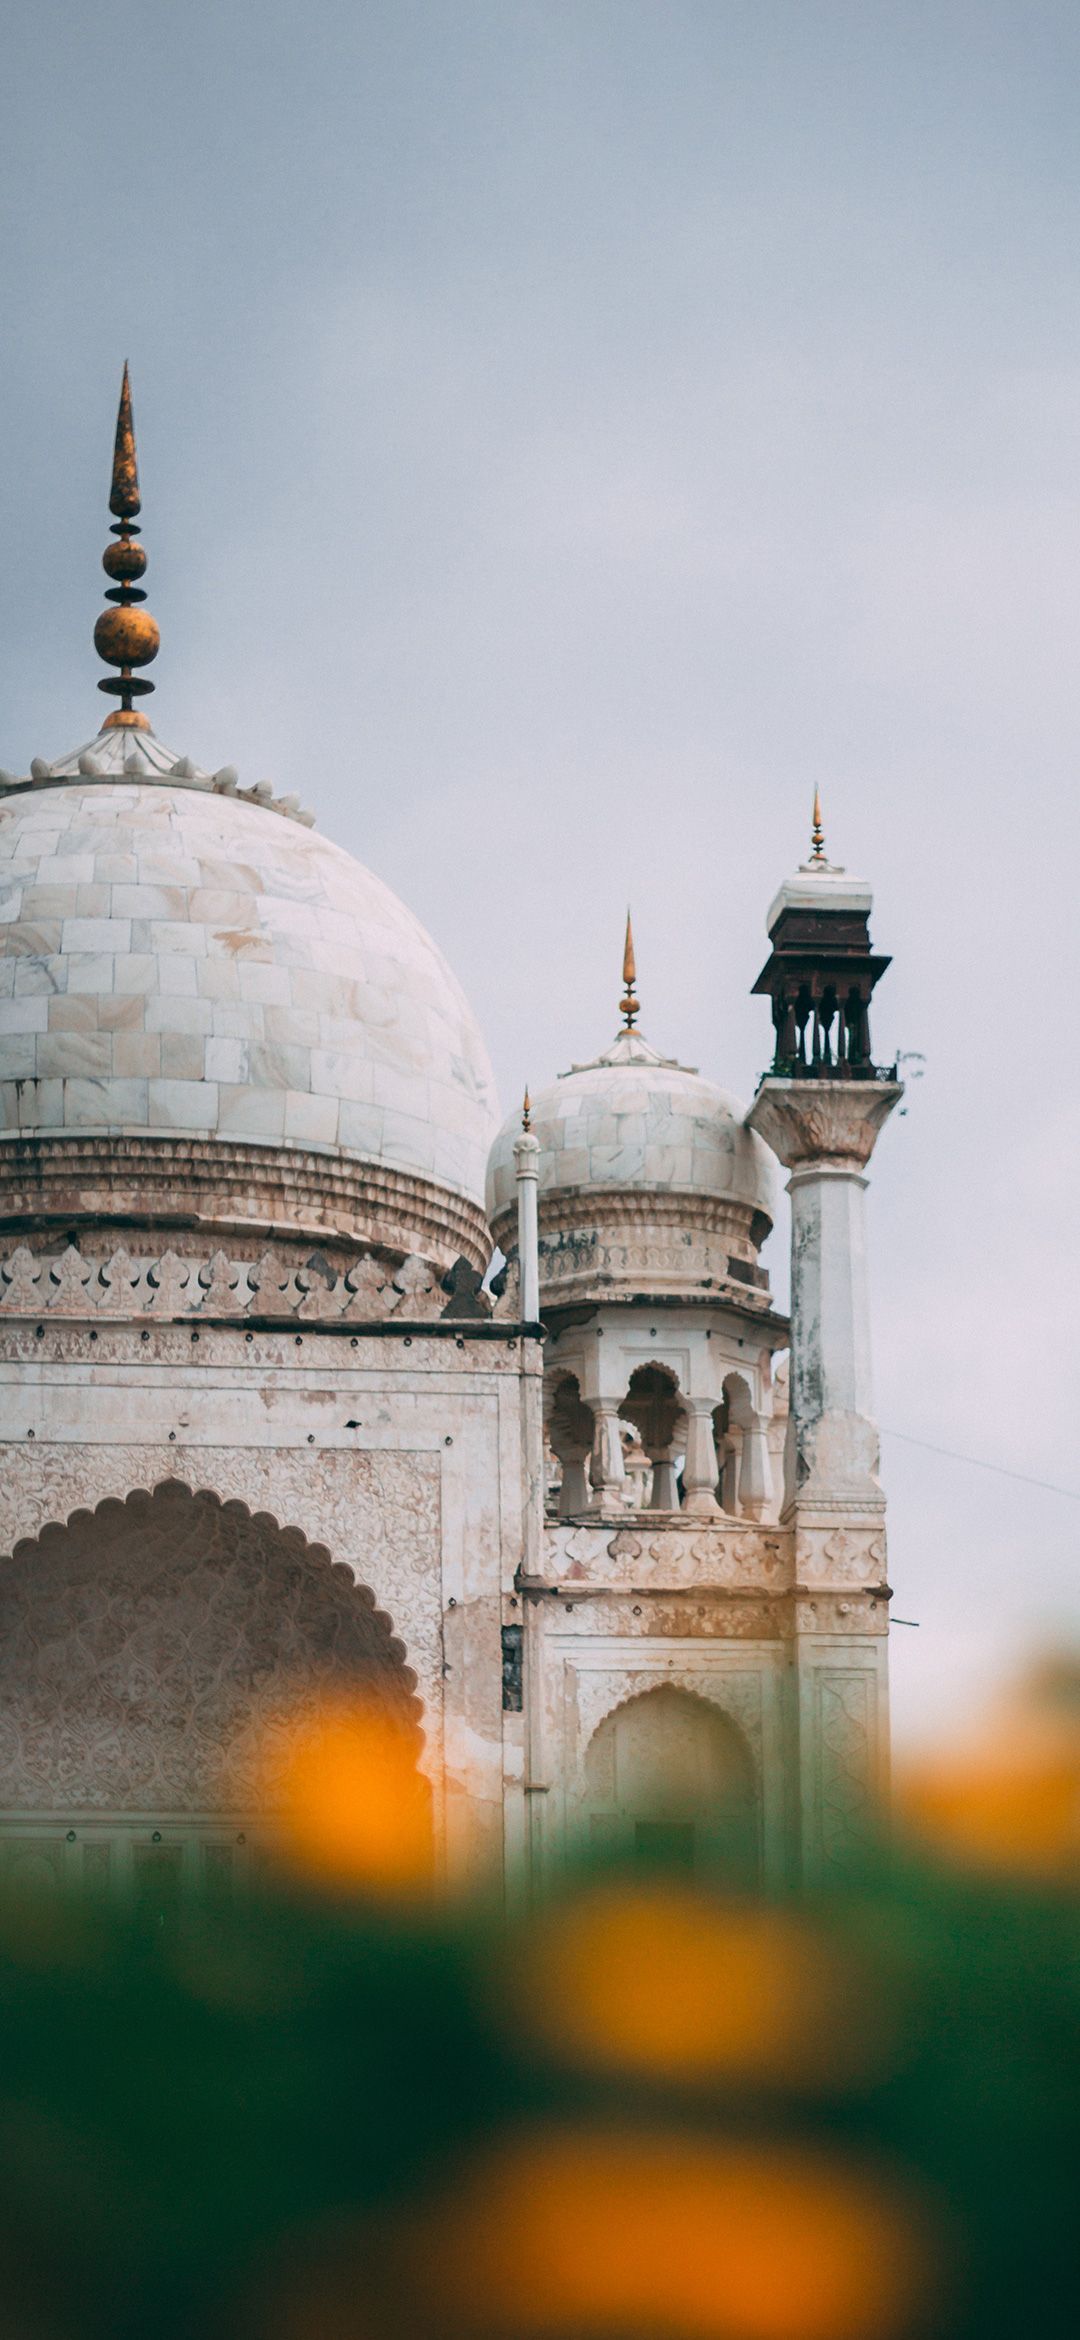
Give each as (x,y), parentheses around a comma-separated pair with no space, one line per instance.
(629,1005)
(125,636)
(526,1112)
(817,833)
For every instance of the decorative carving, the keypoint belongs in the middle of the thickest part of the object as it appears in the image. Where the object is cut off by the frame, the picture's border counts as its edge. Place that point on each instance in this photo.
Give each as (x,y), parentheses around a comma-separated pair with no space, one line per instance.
(839,1557)
(846,1771)
(22,1293)
(411,1289)
(169,1279)
(726,1556)
(711,1619)
(464,1283)
(376,1512)
(226,1288)
(153,1654)
(175,1286)
(737,1693)
(120,1278)
(69,1276)
(506,1289)
(806,1121)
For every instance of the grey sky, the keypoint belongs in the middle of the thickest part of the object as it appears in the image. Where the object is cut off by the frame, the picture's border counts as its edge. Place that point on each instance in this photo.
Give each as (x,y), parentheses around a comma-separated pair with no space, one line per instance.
(568,433)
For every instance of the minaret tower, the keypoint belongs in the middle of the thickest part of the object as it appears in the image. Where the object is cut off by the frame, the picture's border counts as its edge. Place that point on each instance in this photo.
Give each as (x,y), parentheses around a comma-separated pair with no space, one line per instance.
(820,1107)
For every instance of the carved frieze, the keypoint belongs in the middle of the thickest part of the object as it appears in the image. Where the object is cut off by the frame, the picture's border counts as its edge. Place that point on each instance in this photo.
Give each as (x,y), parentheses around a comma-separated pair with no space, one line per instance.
(175,1285)
(733,1554)
(840,1556)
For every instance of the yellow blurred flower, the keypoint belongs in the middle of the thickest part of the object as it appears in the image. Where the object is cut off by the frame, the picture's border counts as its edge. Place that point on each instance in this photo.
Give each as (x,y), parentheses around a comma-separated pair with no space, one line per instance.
(595,2232)
(665,1983)
(1008,1799)
(355,1813)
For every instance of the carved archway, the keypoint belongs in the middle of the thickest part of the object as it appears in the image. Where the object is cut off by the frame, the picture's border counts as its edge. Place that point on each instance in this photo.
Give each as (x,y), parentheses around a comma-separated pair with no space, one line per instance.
(155,1654)
(669,1775)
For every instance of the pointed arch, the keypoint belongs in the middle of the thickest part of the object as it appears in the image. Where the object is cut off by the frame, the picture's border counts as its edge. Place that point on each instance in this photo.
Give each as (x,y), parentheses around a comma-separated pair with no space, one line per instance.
(156,1650)
(668,1773)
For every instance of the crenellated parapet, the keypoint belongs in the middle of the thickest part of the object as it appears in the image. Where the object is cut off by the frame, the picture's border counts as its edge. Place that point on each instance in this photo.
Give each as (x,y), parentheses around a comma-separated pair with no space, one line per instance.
(170,1286)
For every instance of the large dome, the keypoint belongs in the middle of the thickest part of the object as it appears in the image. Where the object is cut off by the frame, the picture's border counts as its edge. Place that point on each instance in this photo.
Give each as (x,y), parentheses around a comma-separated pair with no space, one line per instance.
(260,1030)
(649,1180)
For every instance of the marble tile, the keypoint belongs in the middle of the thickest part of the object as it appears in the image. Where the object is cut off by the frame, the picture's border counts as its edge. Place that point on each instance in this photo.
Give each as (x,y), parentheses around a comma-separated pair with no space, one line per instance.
(41,1105)
(30,1013)
(45,974)
(34,938)
(177,974)
(63,1053)
(95,934)
(360,1128)
(137,972)
(257,1113)
(18,1055)
(310,1121)
(335,1075)
(124,1012)
(266,983)
(181,1055)
(91,971)
(167,1013)
(107,1104)
(136,1053)
(189,1105)
(226,1060)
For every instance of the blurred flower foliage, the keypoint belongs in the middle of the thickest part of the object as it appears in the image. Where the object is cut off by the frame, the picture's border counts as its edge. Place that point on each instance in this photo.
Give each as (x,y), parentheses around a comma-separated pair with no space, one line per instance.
(355,2110)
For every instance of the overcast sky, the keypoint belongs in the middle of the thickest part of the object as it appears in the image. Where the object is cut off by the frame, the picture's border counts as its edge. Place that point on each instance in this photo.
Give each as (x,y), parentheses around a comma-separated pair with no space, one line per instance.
(568,433)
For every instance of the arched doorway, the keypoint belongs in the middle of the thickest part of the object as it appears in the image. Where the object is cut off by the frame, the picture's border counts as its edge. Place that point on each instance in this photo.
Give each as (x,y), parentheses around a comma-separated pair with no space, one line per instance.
(669,1779)
(155,1656)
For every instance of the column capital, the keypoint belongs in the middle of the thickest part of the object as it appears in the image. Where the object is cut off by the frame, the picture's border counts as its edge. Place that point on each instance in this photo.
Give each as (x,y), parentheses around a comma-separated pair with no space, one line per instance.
(826,1124)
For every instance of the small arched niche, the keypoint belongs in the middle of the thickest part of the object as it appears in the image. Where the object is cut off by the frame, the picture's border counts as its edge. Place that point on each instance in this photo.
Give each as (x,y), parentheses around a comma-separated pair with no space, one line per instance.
(654,1406)
(670,1781)
(156,1658)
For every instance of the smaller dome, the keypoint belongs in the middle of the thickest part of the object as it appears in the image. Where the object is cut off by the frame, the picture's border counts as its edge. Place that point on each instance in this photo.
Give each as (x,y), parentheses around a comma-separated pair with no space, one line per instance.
(649,1181)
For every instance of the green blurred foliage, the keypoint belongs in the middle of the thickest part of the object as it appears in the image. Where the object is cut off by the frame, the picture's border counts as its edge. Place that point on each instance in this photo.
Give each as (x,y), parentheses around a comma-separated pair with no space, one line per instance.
(184,2109)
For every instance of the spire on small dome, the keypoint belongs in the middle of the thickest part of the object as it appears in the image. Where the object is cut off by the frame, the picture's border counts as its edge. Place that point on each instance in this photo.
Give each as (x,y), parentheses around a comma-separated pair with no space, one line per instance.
(817,833)
(526,1112)
(125,636)
(629,1005)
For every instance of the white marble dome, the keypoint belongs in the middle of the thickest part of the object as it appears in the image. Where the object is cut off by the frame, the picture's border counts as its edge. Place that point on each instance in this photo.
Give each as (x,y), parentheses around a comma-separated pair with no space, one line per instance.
(645,1169)
(178,963)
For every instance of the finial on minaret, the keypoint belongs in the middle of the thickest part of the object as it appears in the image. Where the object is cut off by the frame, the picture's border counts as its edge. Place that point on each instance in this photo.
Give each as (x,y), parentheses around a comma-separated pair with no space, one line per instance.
(125,636)
(526,1112)
(817,833)
(629,1005)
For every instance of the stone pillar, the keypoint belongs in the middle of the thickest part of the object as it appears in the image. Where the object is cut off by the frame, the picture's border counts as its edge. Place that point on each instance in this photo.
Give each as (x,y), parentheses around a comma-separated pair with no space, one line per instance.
(664,1492)
(702,1467)
(755,1473)
(607,1469)
(574,1491)
(526,1158)
(824,1131)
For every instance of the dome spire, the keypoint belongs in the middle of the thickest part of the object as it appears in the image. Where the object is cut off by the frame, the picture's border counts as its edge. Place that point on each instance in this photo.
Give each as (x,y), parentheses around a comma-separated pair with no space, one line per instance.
(629,1005)
(125,636)
(817,833)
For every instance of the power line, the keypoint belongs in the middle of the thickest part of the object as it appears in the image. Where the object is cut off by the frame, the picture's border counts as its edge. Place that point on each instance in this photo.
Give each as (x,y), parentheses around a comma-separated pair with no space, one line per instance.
(1071,1494)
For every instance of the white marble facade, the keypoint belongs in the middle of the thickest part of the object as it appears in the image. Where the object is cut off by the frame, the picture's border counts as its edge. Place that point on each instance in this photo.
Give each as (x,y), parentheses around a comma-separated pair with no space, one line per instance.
(257,1423)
